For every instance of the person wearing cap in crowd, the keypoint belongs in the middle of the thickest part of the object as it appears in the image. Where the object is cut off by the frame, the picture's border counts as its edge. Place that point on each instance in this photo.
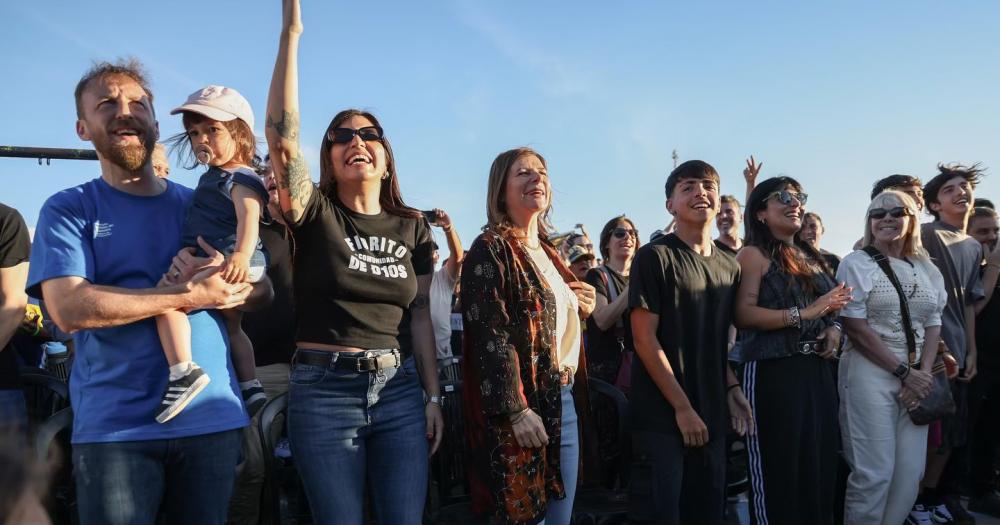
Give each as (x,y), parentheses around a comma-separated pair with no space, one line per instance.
(99,250)
(228,205)
(580,261)
(812,231)
(443,284)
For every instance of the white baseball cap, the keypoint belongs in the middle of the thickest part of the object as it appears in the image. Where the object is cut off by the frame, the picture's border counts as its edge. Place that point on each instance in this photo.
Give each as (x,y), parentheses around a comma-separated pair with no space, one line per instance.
(218,103)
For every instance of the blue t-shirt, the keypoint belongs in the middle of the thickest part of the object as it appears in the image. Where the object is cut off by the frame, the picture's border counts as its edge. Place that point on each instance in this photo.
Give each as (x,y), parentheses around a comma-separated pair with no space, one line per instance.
(119,374)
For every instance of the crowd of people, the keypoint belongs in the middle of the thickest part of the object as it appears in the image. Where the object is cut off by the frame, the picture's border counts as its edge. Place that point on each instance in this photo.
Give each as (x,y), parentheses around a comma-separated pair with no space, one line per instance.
(864,388)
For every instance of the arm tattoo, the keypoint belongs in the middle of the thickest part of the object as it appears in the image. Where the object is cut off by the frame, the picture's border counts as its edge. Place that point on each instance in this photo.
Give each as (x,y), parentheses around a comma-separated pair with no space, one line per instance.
(287,127)
(420,302)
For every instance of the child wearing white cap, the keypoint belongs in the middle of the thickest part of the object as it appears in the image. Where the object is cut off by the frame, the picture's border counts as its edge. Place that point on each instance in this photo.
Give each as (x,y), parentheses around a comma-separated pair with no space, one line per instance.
(228,204)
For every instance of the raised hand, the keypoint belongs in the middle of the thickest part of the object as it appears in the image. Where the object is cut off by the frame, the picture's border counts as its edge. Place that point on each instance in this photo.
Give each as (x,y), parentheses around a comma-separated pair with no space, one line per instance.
(751,171)
(291,16)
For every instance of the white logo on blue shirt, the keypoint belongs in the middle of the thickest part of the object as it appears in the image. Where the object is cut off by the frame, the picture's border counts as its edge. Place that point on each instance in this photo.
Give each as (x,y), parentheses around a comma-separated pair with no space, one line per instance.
(102,229)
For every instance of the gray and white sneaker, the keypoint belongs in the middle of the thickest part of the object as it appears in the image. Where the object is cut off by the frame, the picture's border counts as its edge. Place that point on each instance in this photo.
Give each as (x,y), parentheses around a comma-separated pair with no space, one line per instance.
(180,392)
(941,514)
(919,515)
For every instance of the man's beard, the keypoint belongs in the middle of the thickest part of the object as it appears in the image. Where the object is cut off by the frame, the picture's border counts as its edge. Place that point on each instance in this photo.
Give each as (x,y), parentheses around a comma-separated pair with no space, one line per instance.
(130,157)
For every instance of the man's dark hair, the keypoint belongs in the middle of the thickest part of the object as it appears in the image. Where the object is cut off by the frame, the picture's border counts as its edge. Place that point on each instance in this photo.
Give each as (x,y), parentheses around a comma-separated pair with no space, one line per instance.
(691,169)
(972,174)
(894,181)
(129,67)
(983,203)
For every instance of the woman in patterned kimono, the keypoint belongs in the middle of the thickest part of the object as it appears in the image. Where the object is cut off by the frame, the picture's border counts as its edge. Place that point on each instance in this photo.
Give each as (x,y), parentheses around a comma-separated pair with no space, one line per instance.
(525,375)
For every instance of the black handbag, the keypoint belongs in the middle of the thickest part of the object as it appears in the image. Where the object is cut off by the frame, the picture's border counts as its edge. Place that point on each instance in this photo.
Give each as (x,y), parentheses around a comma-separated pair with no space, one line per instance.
(939,402)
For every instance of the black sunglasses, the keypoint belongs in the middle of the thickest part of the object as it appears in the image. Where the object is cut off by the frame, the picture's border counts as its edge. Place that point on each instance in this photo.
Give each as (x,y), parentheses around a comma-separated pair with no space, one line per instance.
(345,135)
(785,197)
(880,213)
(621,233)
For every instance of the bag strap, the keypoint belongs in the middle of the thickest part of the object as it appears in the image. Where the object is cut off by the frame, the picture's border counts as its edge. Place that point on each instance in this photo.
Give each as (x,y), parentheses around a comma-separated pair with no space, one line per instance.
(612,291)
(883,262)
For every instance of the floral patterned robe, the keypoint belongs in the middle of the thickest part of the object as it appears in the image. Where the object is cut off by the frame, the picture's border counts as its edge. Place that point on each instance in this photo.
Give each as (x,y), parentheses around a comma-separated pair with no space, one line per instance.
(510,363)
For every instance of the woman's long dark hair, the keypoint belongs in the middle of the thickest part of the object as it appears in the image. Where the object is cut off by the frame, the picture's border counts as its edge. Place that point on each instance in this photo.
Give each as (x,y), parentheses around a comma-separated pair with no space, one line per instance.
(389,197)
(798,259)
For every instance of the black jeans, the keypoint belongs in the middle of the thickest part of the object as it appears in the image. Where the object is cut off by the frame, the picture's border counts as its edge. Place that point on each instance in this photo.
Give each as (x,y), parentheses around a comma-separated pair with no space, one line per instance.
(672,484)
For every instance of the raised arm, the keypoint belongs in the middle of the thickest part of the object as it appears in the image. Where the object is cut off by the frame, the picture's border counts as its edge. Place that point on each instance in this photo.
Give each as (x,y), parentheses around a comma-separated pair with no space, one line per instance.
(282,129)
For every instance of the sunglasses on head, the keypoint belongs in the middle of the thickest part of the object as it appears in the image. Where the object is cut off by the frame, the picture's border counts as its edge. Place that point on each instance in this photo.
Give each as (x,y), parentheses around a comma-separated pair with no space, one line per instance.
(880,213)
(621,233)
(345,135)
(785,197)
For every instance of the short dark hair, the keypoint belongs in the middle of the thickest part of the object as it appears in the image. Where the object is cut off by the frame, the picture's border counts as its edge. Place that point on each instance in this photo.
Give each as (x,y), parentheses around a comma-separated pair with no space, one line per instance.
(983,211)
(983,203)
(893,181)
(691,169)
(129,67)
(972,174)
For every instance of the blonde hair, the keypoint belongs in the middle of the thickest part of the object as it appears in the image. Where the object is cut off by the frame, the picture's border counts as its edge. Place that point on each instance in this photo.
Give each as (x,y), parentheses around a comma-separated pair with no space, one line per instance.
(497,217)
(888,199)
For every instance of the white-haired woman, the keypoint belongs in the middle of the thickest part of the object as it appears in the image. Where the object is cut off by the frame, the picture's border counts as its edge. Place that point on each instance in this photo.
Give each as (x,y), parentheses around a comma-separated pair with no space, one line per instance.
(878,383)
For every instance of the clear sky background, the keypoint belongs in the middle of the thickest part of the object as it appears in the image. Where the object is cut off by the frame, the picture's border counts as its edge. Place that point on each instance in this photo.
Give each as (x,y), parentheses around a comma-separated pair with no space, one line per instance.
(835,94)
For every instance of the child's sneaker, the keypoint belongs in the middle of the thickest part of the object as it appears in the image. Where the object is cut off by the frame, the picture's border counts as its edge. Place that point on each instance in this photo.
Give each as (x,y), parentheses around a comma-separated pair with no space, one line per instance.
(180,392)
(254,398)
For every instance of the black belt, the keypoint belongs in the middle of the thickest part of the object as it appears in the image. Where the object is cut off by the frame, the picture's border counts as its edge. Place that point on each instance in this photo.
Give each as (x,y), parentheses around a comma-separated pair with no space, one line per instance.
(348,363)
(810,347)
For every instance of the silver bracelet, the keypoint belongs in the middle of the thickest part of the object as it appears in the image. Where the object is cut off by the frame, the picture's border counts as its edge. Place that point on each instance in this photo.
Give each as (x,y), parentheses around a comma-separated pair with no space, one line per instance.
(794,317)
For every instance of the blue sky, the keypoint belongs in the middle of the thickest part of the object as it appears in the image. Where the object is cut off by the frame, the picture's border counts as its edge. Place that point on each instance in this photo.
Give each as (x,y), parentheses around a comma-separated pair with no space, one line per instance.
(836,95)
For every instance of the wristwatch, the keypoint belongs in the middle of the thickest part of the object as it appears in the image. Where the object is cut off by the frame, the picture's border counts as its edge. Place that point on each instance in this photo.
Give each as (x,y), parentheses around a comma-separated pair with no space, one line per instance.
(901,371)
(438,400)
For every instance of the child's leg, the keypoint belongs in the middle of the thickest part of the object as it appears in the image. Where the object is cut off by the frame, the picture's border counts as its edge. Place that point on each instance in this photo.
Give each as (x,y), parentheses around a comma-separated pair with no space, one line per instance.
(186,379)
(241,350)
(175,337)
(240,347)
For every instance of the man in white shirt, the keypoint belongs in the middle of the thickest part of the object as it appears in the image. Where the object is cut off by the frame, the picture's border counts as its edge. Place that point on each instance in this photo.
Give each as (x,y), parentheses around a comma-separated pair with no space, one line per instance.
(443,284)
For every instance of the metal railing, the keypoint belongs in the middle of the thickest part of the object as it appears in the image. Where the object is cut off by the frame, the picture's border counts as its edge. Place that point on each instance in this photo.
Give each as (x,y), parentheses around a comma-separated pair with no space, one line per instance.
(47,154)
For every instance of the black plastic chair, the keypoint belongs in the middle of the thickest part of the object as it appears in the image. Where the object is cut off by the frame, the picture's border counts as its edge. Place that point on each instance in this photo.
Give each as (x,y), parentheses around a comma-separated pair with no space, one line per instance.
(52,448)
(607,504)
(44,395)
(271,428)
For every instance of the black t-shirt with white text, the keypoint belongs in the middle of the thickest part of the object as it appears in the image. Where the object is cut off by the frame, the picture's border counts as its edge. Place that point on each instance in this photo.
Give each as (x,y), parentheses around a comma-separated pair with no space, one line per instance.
(694,296)
(355,275)
(15,246)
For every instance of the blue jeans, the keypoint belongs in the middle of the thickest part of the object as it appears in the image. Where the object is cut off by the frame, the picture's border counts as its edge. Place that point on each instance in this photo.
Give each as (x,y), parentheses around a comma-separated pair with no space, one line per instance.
(560,511)
(349,427)
(127,482)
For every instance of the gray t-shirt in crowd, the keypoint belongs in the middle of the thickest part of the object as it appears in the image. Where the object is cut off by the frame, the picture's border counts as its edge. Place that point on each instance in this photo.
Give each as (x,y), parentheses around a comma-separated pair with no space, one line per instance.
(958,257)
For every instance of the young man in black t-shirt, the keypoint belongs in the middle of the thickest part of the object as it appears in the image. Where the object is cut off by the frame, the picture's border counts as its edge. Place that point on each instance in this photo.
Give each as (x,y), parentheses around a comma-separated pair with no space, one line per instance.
(682,292)
(14,247)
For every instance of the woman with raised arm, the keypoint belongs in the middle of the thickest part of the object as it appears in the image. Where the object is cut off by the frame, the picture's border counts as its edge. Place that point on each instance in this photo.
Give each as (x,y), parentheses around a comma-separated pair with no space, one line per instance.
(525,377)
(357,416)
(785,311)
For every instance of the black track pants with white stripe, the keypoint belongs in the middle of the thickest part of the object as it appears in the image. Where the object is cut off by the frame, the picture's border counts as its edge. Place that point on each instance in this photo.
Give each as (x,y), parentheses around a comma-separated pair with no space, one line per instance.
(793,457)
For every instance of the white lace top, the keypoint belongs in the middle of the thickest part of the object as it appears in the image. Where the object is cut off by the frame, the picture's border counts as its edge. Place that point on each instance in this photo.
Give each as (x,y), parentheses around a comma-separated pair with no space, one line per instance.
(875,299)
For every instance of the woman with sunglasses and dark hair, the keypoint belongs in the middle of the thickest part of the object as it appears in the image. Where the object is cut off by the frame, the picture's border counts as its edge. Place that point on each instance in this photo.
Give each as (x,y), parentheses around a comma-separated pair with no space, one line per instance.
(609,340)
(785,311)
(357,416)
(877,384)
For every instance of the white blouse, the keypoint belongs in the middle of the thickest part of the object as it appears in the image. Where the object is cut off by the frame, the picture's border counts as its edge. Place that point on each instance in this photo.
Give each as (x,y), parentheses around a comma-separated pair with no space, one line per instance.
(875,299)
(567,320)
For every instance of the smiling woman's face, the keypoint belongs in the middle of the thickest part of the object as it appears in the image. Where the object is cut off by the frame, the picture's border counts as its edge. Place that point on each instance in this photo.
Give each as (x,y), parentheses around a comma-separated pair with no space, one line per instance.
(527,190)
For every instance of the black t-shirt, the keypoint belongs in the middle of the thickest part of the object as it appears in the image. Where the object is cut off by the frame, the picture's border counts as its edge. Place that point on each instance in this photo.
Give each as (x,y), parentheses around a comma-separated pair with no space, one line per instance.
(832,260)
(694,297)
(725,247)
(603,350)
(15,245)
(272,329)
(987,335)
(355,275)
